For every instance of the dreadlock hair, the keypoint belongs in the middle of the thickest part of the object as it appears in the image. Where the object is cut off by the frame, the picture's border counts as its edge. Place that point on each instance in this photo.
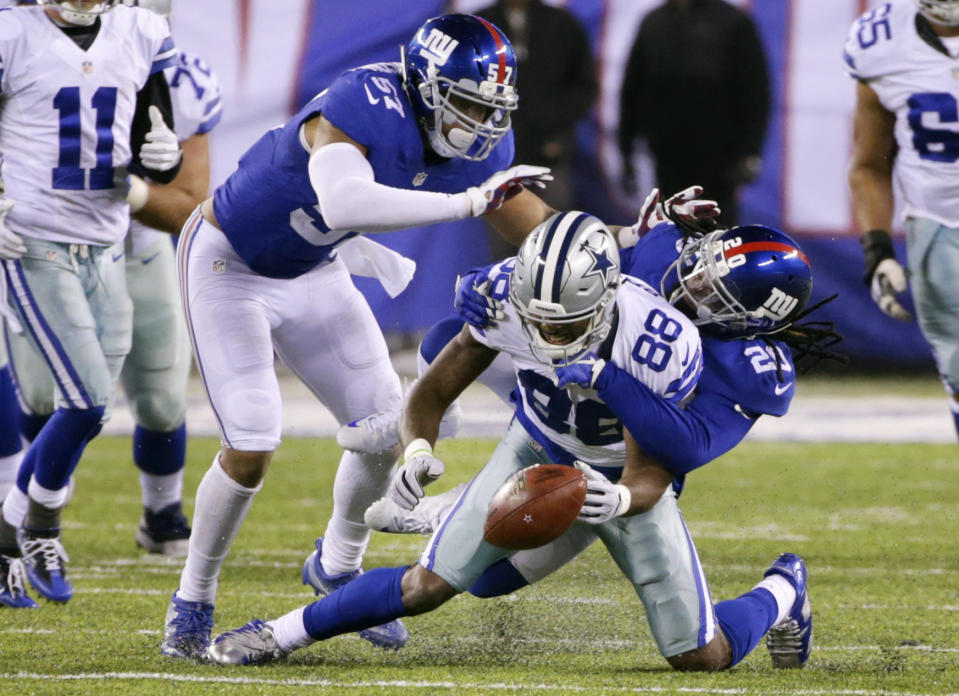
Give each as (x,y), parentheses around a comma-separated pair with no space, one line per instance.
(810,342)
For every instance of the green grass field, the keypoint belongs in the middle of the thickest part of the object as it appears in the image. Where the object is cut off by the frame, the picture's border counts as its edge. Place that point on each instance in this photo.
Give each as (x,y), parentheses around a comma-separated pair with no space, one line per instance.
(877,525)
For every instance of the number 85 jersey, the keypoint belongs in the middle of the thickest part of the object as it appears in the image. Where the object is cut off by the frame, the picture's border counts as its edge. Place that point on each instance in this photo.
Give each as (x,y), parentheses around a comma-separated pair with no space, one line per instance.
(650,340)
(66,117)
(893,50)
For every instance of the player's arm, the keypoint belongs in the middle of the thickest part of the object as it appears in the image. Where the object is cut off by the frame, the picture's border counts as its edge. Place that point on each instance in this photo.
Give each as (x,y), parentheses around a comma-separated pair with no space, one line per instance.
(517,217)
(167,206)
(457,366)
(873,152)
(153,97)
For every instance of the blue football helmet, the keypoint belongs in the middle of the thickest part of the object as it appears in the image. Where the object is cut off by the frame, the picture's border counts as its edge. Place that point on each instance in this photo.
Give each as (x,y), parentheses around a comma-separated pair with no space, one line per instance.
(940,11)
(740,282)
(80,12)
(460,71)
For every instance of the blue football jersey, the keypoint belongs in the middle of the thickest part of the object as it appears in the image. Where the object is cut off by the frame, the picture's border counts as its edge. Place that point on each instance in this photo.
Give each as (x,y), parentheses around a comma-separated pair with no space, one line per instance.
(268,209)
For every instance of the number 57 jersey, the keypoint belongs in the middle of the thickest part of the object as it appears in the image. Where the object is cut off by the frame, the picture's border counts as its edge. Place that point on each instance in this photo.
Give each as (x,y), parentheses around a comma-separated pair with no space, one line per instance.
(66,117)
(650,339)
(894,51)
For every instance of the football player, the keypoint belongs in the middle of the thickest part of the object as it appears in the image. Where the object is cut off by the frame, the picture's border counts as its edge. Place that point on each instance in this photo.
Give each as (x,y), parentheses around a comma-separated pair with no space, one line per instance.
(83,95)
(903,57)
(263,268)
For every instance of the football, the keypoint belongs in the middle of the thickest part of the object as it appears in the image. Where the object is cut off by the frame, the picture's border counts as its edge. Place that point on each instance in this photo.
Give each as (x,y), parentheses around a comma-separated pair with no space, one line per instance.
(534,506)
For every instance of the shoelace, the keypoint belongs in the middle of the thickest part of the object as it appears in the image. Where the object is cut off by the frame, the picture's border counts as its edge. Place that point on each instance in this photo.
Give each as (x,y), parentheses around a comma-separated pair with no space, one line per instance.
(16,578)
(381,422)
(192,621)
(785,638)
(51,552)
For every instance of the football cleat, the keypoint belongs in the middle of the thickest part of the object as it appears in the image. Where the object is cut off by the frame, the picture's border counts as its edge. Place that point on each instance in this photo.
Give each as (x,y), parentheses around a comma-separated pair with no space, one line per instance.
(386,516)
(45,560)
(250,644)
(186,630)
(790,641)
(166,531)
(380,431)
(392,635)
(13,592)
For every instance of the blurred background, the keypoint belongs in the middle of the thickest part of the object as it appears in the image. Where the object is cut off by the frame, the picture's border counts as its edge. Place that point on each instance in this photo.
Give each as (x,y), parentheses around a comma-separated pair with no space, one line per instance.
(274,55)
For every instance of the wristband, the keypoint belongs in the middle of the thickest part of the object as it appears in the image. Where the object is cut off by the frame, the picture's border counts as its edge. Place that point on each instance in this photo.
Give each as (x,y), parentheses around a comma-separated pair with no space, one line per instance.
(419,446)
(138,195)
(625,500)
(876,247)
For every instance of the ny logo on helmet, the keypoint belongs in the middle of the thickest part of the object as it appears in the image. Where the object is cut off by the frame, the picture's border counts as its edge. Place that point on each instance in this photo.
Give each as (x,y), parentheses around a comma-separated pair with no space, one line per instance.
(438,47)
(779,304)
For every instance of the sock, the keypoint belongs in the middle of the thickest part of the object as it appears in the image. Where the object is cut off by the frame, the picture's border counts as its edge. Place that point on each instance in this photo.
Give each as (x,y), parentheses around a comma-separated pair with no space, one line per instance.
(158,492)
(59,445)
(361,479)
(372,599)
(9,417)
(9,466)
(289,630)
(499,579)
(746,619)
(43,510)
(8,538)
(15,506)
(159,453)
(221,506)
(32,423)
(782,591)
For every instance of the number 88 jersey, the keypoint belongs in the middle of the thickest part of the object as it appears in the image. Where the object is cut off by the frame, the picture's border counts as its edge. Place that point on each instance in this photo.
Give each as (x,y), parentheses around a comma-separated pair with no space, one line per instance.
(892,50)
(66,117)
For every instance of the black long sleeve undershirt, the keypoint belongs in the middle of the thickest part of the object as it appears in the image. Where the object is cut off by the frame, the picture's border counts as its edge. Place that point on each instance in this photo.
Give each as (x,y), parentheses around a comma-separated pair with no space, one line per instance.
(155,92)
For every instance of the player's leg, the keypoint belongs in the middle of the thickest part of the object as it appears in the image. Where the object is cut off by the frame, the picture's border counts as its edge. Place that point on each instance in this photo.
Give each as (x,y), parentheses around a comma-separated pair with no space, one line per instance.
(933,253)
(228,319)
(35,385)
(11,448)
(154,379)
(454,558)
(75,309)
(336,349)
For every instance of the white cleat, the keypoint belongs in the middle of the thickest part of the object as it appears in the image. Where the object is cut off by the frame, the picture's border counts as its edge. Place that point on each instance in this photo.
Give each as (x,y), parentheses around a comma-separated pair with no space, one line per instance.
(386,516)
(380,431)
(250,644)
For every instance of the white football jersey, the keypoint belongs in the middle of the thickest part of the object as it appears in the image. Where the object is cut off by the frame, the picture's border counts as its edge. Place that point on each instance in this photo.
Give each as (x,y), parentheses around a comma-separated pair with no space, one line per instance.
(195,93)
(66,117)
(651,340)
(920,85)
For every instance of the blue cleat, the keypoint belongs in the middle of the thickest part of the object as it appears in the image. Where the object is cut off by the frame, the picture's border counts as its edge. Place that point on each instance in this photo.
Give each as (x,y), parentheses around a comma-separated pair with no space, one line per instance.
(13,591)
(790,641)
(45,560)
(250,644)
(186,631)
(392,635)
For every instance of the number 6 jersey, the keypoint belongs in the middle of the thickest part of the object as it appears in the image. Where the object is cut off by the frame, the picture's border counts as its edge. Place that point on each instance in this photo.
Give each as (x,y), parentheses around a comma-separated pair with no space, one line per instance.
(649,339)
(893,50)
(66,117)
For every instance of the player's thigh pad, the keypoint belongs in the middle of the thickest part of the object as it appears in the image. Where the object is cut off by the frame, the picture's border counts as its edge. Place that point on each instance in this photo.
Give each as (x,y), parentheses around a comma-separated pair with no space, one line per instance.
(456,551)
(329,338)
(656,553)
(156,371)
(77,315)
(35,387)
(228,313)
(933,252)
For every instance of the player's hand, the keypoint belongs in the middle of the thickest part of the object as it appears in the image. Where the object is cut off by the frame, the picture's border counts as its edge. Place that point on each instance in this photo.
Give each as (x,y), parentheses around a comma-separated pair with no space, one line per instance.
(687,207)
(420,468)
(604,499)
(888,280)
(161,151)
(472,301)
(582,372)
(503,185)
(11,244)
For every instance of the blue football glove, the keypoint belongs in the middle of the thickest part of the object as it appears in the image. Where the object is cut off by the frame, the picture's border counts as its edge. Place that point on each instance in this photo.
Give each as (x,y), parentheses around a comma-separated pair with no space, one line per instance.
(583,372)
(472,301)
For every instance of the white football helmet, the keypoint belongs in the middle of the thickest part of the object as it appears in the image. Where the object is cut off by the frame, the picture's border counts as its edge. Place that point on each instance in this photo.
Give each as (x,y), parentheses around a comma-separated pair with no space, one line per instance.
(940,11)
(162,7)
(566,273)
(80,12)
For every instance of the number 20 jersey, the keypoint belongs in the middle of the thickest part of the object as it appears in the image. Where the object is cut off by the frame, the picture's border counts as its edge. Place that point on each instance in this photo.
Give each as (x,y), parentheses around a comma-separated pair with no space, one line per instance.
(650,339)
(66,118)
(920,85)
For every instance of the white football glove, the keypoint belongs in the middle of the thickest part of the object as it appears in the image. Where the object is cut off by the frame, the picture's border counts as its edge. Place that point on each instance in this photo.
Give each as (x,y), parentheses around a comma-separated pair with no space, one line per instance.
(888,280)
(420,468)
(685,206)
(11,244)
(604,499)
(161,151)
(503,185)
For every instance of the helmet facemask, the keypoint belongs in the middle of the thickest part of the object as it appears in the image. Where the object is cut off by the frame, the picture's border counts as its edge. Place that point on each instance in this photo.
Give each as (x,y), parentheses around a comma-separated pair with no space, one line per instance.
(75,12)
(945,12)
(596,327)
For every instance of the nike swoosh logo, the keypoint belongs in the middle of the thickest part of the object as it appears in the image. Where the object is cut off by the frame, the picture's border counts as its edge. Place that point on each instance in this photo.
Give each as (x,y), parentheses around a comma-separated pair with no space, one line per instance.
(781,389)
(148,259)
(373,100)
(117,258)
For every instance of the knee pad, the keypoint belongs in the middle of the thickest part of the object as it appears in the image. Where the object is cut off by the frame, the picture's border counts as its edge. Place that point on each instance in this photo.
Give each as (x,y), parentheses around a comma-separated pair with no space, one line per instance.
(250,418)
(159,410)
